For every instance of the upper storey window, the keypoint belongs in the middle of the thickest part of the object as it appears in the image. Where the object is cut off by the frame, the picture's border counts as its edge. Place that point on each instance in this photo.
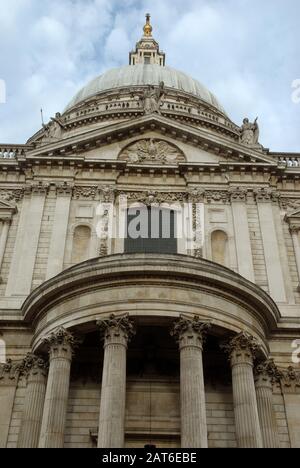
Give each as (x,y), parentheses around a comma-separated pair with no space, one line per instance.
(147,59)
(151,230)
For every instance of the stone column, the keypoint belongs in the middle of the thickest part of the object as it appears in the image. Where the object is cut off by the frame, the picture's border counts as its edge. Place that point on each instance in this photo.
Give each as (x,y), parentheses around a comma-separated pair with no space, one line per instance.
(241,350)
(190,334)
(36,370)
(265,375)
(61,345)
(9,377)
(3,238)
(116,331)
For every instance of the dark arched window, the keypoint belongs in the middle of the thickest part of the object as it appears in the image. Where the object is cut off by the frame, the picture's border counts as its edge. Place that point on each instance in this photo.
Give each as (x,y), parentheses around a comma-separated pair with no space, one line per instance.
(151,230)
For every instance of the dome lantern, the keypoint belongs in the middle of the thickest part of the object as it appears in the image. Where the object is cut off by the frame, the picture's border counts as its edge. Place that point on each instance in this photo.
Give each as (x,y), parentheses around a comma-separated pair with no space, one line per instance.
(147,49)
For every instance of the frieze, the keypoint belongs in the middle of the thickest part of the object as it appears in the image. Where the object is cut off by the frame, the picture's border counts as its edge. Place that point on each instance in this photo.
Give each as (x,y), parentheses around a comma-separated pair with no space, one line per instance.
(152,197)
(86,192)
(219,196)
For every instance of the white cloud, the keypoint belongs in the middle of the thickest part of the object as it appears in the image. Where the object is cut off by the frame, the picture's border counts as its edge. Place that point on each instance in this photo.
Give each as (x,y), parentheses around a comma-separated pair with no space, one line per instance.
(245,52)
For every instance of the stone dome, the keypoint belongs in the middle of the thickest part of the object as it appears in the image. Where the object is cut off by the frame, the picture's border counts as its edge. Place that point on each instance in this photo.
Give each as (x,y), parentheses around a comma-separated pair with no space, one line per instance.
(142,75)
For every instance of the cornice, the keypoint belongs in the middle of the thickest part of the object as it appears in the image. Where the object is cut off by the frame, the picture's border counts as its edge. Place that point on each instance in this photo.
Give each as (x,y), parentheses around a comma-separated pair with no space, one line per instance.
(201,138)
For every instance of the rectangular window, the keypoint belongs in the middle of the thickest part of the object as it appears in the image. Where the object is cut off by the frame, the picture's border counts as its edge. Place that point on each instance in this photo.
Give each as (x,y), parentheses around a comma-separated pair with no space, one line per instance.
(151,230)
(147,59)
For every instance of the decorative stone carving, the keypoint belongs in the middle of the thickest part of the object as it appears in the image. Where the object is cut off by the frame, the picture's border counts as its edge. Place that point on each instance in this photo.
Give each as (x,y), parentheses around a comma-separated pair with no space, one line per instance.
(151,197)
(267,370)
(9,372)
(64,189)
(290,380)
(33,364)
(238,194)
(290,204)
(294,228)
(53,130)
(12,195)
(61,339)
(249,133)
(196,195)
(190,327)
(110,328)
(152,151)
(217,196)
(108,193)
(153,99)
(89,193)
(266,195)
(37,188)
(242,346)
(103,233)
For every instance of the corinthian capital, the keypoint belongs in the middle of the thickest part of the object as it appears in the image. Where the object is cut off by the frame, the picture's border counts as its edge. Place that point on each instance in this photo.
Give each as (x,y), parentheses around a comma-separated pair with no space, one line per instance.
(238,194)
(241,349)
(190,331)
(117,329)
(9,372)
(34,365)
(266,195)
(61,343)
(266,373)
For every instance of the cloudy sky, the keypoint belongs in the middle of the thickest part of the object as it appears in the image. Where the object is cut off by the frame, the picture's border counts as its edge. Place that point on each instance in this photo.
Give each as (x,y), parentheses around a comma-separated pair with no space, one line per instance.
(245,51)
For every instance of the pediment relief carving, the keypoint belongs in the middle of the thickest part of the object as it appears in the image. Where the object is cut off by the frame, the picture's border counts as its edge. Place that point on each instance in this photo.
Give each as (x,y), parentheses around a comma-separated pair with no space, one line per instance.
(7,209)
(152,151)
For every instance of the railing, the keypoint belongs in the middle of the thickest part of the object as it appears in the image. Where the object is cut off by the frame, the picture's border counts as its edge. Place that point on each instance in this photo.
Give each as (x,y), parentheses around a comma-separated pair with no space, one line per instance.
(290,161)
(11,152)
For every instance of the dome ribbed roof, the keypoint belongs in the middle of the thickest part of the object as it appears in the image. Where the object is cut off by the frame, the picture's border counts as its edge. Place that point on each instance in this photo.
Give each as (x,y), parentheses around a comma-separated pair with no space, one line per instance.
(140,75)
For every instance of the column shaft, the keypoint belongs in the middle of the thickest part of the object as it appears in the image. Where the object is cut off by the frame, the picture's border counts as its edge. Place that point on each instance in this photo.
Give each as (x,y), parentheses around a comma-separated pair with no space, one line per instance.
(190,335)
(241,350)
(192,396)
(245,407)
(266,373)
(56,400)
(117,332)
(33,404)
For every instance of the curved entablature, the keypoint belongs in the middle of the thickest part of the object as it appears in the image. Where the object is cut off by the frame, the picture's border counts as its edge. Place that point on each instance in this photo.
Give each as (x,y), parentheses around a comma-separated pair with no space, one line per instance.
(162,286)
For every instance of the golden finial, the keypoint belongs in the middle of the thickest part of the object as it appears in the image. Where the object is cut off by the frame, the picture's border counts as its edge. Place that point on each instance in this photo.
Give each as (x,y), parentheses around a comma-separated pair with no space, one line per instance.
(148,28)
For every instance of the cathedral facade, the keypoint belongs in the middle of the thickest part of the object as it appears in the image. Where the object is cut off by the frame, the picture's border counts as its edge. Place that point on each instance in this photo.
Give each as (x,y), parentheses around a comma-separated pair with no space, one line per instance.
(150,272)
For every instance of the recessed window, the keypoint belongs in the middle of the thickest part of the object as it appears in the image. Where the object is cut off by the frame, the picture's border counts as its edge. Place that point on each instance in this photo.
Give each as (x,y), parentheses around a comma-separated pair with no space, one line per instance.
(147,59)
(151,230)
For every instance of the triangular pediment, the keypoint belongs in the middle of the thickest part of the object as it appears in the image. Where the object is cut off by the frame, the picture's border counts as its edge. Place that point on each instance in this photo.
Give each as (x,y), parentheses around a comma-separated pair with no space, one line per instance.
(5,205)
(294,214)
(7,209)
(224,149)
